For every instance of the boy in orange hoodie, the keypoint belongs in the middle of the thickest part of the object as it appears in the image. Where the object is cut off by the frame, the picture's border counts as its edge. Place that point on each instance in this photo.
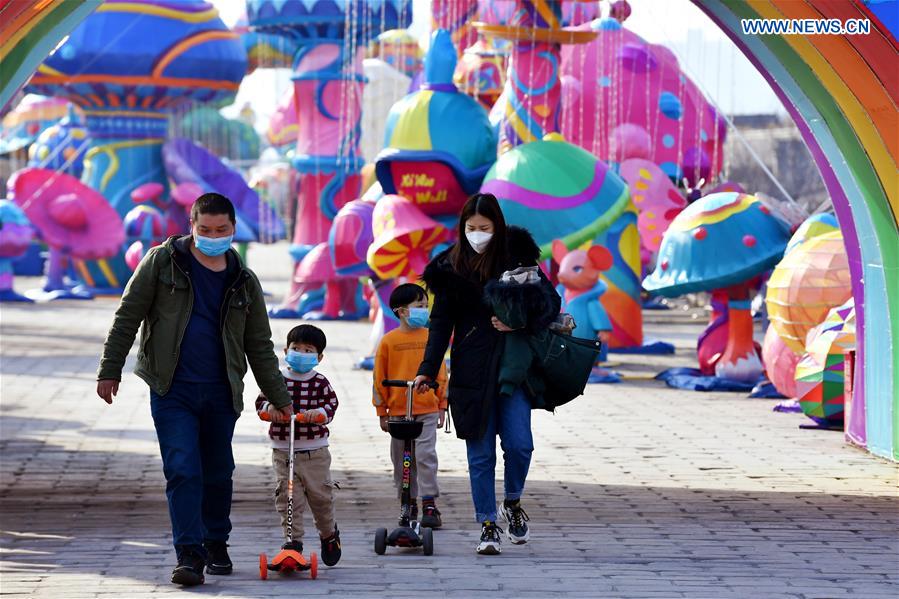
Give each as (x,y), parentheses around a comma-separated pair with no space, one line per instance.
(399,354)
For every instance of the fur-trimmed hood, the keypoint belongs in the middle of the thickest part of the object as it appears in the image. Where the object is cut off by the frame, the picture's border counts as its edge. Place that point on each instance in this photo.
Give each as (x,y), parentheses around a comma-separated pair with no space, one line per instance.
(521,250)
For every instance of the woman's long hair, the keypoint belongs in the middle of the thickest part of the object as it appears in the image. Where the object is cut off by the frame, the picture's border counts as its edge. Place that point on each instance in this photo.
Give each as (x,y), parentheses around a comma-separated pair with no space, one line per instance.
(464,259)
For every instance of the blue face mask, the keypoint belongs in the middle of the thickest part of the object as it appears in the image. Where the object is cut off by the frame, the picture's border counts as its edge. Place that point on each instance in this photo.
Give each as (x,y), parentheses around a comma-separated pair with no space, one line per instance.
(213,246)
(301,362)
(418,318)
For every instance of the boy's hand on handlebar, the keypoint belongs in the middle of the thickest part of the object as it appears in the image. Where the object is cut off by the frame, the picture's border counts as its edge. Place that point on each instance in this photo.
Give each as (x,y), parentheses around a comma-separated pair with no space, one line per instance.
(422,383)
(312,417)
(384,420)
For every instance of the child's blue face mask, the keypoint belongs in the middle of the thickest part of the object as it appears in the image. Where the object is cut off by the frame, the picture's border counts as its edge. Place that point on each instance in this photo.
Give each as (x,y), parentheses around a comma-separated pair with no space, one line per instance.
(418,318)
(301,362)
(213,246)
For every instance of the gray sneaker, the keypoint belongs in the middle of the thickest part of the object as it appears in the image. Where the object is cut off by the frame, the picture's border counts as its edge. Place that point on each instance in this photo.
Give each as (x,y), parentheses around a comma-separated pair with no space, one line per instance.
(489,543)
(517,518)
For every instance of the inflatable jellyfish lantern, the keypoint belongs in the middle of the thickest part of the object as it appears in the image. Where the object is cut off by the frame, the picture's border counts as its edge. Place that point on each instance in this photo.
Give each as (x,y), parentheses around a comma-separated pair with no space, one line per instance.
(16,234)
(559,191)
(722,241)
(624,80)
(810,280)
(426,159)
(128,84)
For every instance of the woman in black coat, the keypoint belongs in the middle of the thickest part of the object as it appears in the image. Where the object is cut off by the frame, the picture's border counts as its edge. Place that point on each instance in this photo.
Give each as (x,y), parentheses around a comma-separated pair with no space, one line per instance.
(486,248)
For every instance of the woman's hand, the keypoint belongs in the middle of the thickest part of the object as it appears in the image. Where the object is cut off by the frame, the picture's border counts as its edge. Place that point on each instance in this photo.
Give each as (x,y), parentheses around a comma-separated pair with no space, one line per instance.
(499,325)
(421,383)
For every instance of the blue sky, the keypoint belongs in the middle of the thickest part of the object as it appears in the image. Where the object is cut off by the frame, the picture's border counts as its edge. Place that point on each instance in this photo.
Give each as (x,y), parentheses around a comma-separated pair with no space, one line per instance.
(705,53)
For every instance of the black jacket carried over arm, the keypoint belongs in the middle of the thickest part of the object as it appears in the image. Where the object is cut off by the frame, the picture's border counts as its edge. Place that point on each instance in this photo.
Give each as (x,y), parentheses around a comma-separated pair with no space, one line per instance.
(475,356)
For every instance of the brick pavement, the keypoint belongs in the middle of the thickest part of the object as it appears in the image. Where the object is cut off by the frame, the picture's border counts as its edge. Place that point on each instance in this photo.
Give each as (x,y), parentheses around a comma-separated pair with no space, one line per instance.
(636,490)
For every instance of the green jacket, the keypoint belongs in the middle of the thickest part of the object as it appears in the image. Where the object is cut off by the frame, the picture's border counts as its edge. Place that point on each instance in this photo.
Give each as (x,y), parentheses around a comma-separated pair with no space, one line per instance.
(159,298)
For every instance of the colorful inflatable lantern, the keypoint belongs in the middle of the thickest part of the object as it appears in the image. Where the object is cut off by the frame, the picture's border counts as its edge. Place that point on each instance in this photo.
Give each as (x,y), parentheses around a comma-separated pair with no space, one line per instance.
(810,280)
(282,128)
(530,104)
(186,162)
(128,85)
(722,241)
(400,49)
(820,374)
(426,159)
(74,220)
(780,363)
(404,238)
(581,288)
(620,79)
(481,72)
(16,234)
(23,125)
(350,237)
(657,199)
(386,86)
(456,17)
(559,191)
(61,147)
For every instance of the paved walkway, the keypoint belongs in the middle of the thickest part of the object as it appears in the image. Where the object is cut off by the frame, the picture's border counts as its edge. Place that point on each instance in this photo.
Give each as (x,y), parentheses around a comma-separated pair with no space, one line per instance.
(636,490)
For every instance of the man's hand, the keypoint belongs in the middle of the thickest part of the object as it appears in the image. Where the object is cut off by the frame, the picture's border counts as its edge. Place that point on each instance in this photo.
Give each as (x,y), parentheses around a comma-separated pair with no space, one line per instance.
(107,389)
(604,336)
(280,415)
(384,427)
(441,418)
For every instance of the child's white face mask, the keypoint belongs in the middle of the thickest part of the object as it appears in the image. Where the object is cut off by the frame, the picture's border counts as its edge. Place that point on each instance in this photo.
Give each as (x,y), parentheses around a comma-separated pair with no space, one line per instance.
(479,240)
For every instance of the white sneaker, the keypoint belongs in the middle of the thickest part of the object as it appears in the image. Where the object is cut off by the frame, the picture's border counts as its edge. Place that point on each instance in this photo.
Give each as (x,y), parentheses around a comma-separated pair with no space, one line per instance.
(518,522)
(490,539)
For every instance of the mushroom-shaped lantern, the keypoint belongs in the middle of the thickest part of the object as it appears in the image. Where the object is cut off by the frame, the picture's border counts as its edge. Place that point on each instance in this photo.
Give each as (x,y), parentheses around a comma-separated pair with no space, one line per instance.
(15,236)
(73,219)
(721,241)
(404,238)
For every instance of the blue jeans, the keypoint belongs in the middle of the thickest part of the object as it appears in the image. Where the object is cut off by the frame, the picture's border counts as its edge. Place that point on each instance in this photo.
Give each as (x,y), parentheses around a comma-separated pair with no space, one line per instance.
(511,420)
(194,423)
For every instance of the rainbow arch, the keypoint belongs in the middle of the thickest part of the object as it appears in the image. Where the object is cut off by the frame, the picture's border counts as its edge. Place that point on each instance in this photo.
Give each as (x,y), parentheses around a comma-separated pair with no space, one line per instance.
(843,92)
(29,31)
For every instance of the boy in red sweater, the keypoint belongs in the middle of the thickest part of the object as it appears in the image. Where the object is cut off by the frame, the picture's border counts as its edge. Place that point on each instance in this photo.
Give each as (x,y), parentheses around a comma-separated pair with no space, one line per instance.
(398,357)
(315,401)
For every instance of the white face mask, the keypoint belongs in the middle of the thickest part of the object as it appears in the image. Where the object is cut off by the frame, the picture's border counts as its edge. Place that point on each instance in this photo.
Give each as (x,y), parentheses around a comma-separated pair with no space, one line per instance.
(479,240)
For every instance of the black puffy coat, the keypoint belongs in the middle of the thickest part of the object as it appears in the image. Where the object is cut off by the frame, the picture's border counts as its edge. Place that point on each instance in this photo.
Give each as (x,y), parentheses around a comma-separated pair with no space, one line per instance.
(477,349)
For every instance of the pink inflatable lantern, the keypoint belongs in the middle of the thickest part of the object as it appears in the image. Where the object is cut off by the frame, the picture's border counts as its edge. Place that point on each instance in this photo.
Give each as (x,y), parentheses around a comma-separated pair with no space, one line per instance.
(73,219)
(624,80)
(316,270)
(656,198)
(780,363)
(351,235)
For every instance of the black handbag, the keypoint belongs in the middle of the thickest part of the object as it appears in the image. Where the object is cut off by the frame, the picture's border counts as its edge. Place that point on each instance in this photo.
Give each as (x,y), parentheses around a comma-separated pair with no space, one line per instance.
(566,363)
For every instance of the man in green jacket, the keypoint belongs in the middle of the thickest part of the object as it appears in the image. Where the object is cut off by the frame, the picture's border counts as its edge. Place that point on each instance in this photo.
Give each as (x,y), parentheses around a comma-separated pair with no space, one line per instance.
(202,317)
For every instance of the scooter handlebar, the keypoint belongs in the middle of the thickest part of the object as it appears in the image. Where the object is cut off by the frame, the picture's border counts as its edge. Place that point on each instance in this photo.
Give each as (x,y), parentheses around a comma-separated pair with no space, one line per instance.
(268,418)
(400,383)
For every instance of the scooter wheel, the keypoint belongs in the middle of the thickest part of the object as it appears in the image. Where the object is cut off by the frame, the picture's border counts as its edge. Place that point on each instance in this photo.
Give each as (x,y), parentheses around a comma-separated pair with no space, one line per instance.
(381,541)
(313,566)
(263,566)
(427,541)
